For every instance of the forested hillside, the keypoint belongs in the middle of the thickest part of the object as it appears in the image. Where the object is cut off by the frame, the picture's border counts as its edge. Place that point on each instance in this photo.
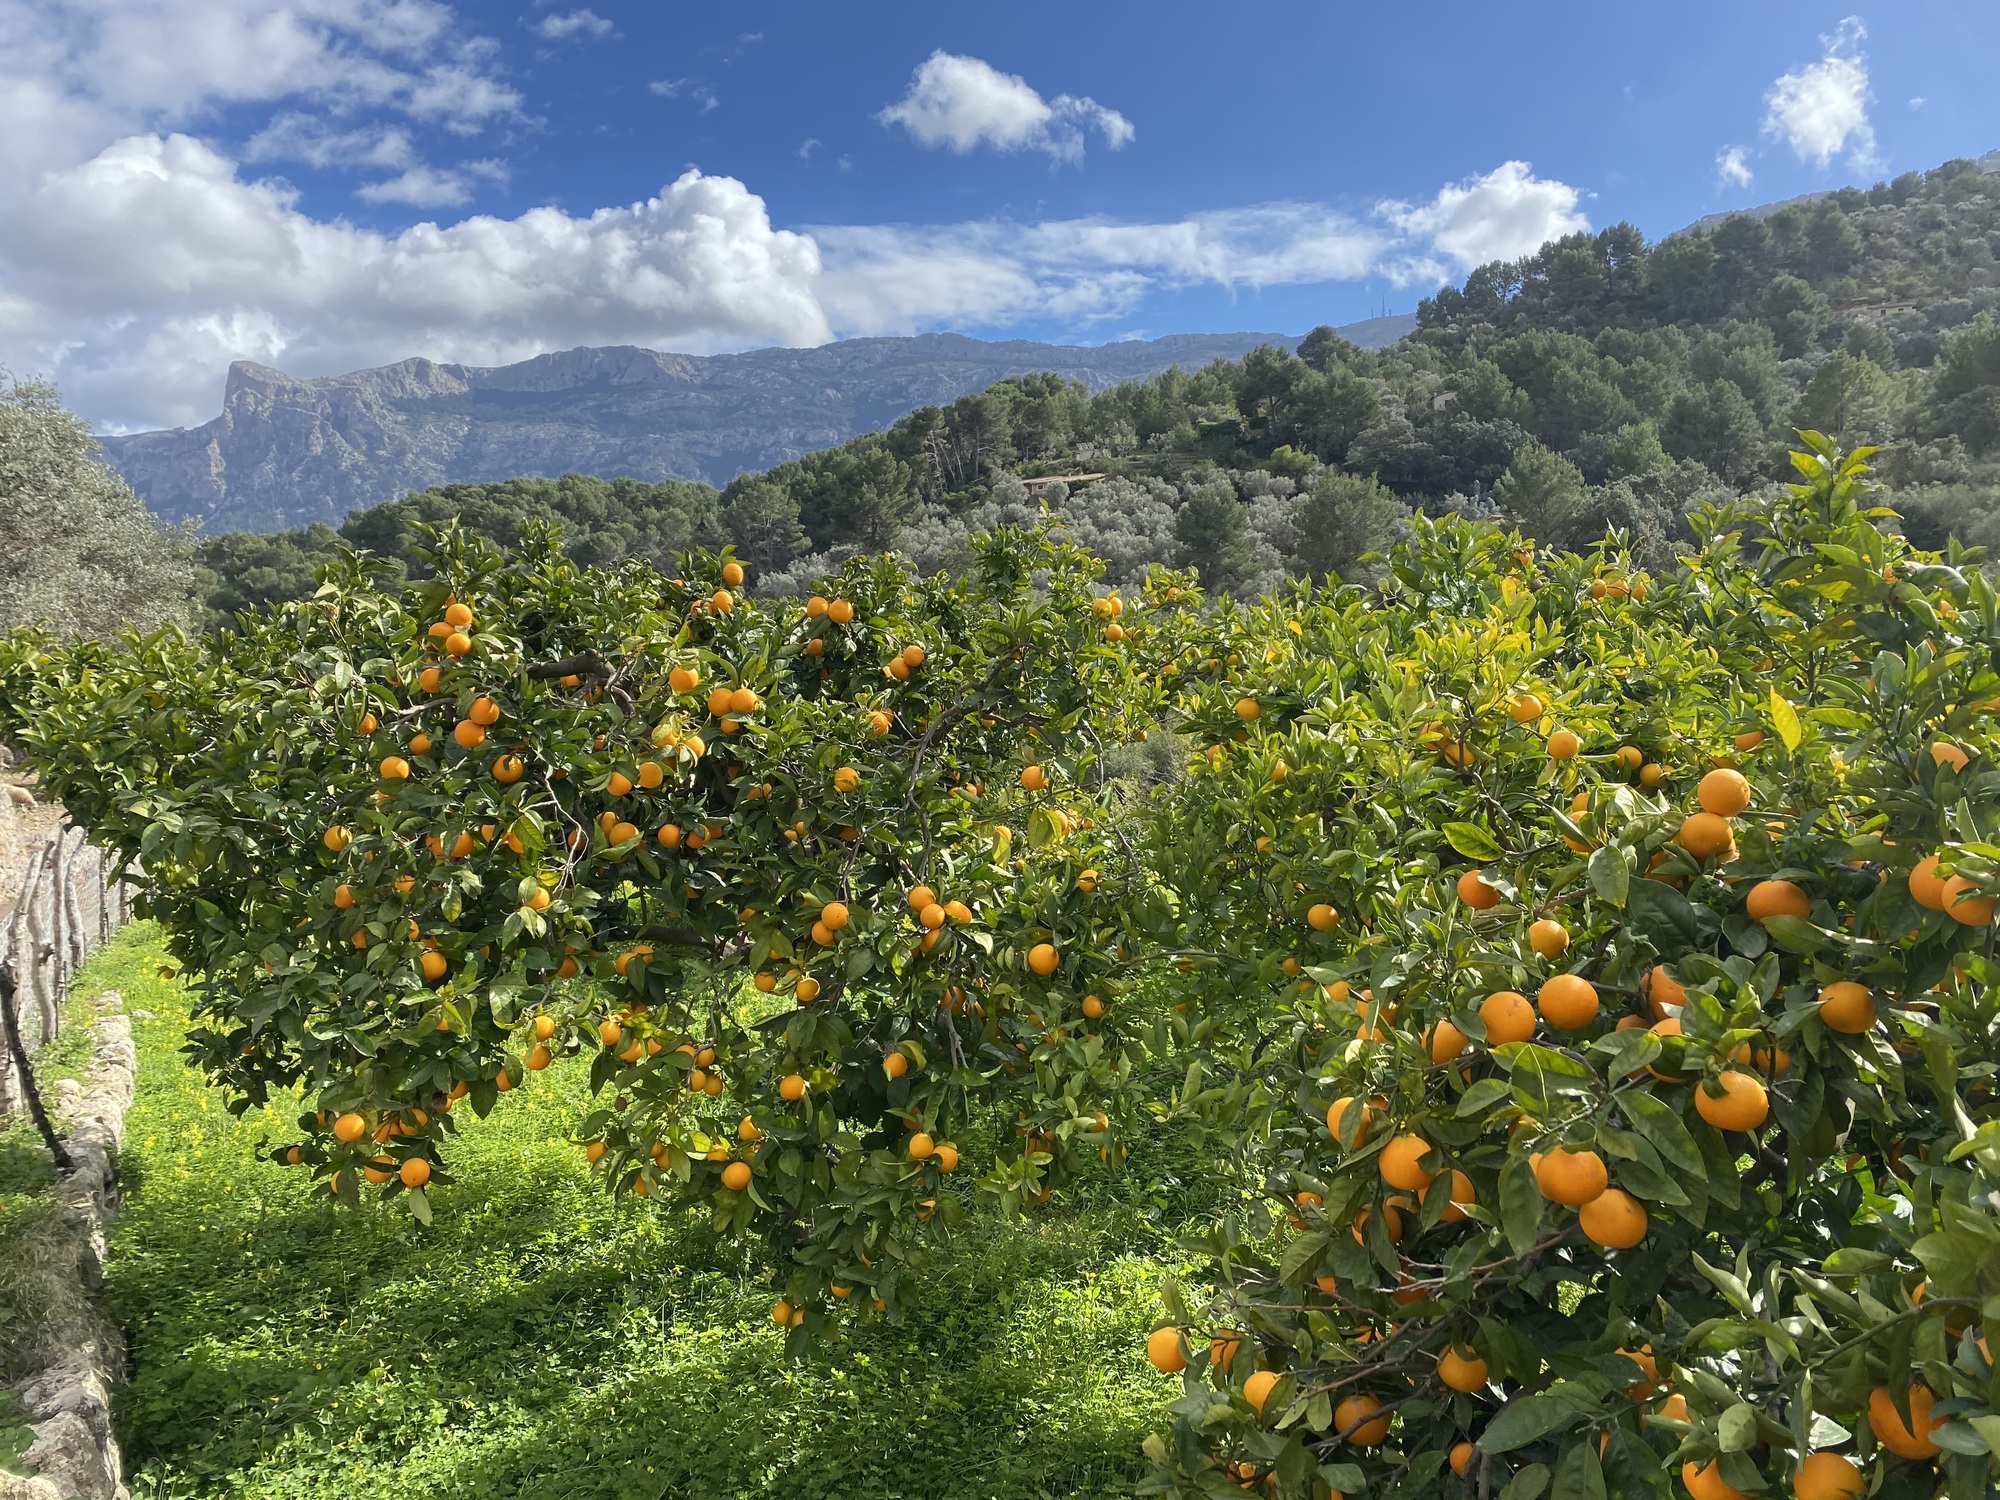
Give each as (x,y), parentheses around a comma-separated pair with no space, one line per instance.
(1600,382)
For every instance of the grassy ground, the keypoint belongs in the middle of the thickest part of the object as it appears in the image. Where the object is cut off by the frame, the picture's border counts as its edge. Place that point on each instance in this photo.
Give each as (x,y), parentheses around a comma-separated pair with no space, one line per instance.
(542,1341)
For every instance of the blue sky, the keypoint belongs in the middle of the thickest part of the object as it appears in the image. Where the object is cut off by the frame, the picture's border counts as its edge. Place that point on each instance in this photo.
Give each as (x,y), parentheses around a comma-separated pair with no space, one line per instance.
(326,184)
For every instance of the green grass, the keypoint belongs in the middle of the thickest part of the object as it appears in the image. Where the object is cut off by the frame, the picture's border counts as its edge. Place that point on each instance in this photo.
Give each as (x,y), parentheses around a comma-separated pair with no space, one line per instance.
(541,1340)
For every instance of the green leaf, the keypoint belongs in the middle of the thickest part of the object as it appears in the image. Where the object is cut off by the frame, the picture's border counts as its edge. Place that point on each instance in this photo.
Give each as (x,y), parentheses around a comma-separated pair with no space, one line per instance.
(1482,1096)
(1472,841)
(1610,876)
(1785,719)
(1736,1431)
(1579,1476)
(1522,1420)
(1528,1484)
(1796,934)
(1299,1257)
(1347,1478)
(1652,1118)
(1520,1209)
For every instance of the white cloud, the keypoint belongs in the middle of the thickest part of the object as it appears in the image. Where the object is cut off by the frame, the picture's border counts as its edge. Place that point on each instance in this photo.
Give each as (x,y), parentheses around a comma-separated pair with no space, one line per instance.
(1822,109)
(1732,167)
(587,23)
(139,326)
(674,88)
(806,148)
(1504,215)
(962,103)
(420,187)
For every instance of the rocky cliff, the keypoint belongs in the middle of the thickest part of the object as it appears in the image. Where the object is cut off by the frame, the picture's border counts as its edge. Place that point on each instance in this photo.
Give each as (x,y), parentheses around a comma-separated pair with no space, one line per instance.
(287,452)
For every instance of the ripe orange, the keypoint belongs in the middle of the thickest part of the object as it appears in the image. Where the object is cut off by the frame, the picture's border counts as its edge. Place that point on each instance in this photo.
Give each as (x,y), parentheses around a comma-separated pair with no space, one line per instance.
(743,700)
(1257,1389)
(343,896)
(1749,740)
(878,721)
(1043,958)
(791,1088)
(922,896)
(1828,1476)
(1549,938)
(1462,1372)
(1093,1008)
(1392,1221)
(337,838)
(469,735)
(415,1172)
(1652,775)
(1743,1103)
(1445,1041)
(833,915)
(618,784)
(932,916)
(457,615)
(1475,892)
(1568,1002)
(1461,1457)
(1662,990)
(1847,1007)
(483,711)
(622,833)
(1508,1017)
(947,1157)
(1630,757)
(394,768)
(1033,778)
(721,601)
(1889,1429)
(433,964)
(1572,1178)
(1926,885)
(507,769)
(1705,835)
(609,1032)
(1776,898)
(895,1065)
(1334,1115)
(732,574)
(807,989)
(1525,709)
(1356,1409)
(683,679)
(458,643)
(1945,753)
(1963,905)
(1707,1483)
(1461,1195)
(1564,745)
(349,1128)
(1401,1163)
(538,1058)
(1321,918)
(1165,1352)
(921,1147)
(1613,1219)
(1248,709)
(846,779)
(736,1176)
(1723,792)
(840,611)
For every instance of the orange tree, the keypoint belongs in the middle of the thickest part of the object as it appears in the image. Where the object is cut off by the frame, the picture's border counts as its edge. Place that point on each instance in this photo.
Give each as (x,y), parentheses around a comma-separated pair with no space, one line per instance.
(816,884)
(1588,981)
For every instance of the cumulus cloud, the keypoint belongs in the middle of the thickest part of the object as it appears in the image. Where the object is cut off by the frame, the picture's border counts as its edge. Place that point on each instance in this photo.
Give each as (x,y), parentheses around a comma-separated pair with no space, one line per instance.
(138,259)
(561,27)
(1732,167)
(1504,215)
(141,325)
(962,103)
(1821,110)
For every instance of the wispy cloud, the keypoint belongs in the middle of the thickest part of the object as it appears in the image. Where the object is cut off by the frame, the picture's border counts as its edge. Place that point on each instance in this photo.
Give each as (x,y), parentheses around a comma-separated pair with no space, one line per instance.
(1732,167)
(685,88)
(576,23)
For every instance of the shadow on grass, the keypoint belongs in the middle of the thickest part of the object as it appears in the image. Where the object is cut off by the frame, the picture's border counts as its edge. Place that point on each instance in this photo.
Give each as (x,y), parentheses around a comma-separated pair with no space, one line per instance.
(542,1341)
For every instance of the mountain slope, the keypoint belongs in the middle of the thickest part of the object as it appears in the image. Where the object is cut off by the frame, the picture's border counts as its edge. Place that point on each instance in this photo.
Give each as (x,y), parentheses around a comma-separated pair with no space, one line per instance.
(287,452)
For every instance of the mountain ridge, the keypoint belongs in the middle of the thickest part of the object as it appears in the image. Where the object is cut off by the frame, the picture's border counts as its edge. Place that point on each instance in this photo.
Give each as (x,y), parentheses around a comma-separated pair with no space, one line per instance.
(286,451)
